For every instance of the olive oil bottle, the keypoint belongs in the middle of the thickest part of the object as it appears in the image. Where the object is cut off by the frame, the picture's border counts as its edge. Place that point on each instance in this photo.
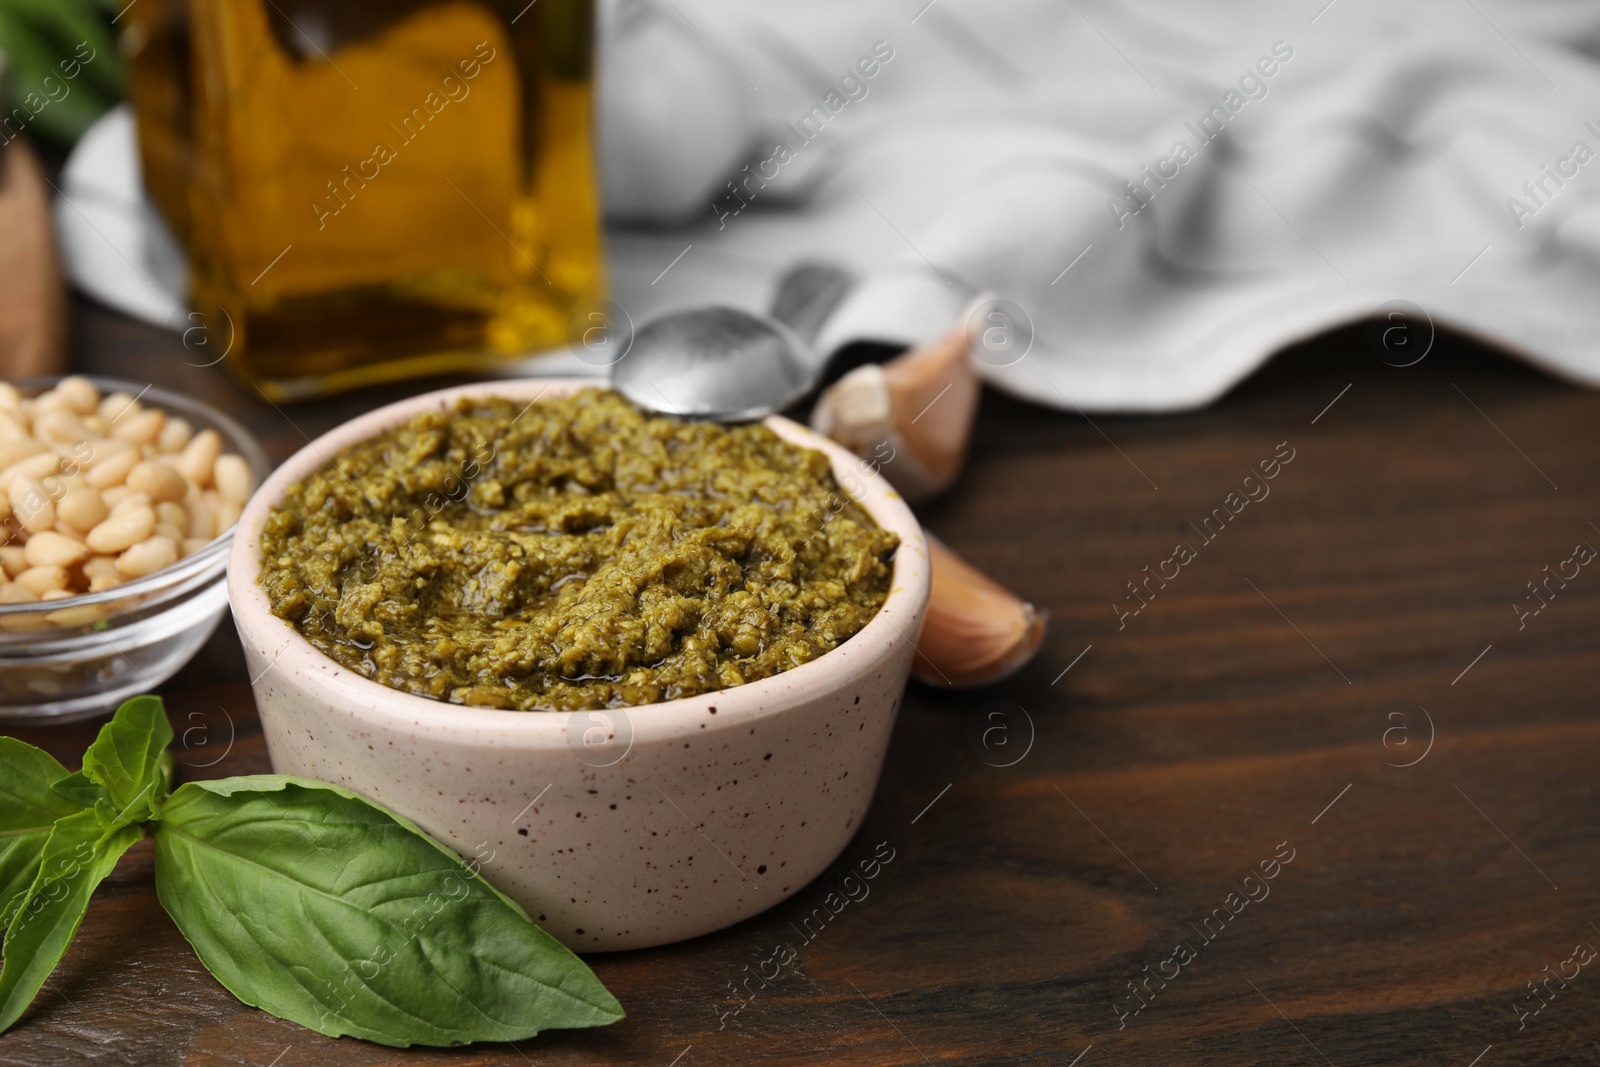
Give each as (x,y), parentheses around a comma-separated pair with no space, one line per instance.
(372,189)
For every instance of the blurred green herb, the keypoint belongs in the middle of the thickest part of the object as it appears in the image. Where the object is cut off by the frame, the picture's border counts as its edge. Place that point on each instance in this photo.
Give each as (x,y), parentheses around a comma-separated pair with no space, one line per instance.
(302,898)
(61,70)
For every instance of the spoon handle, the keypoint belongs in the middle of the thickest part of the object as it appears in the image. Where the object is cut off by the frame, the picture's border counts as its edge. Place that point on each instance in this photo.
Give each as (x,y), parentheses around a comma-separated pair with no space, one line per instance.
(806,295)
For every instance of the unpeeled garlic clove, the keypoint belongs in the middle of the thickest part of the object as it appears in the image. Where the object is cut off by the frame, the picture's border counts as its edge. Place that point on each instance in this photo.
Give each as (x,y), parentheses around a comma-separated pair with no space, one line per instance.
(977,632)
(911,417)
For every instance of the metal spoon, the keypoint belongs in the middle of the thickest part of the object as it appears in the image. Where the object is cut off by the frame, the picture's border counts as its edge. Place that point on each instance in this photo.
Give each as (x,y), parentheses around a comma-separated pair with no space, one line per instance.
(723,364)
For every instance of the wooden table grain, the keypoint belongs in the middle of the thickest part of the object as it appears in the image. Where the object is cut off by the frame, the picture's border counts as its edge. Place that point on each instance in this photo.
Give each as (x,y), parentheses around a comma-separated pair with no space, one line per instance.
(1335,686)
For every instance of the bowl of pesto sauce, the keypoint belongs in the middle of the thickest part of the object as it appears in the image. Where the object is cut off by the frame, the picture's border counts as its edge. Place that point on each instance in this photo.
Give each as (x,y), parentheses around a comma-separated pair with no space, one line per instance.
(572,554)
(644,670)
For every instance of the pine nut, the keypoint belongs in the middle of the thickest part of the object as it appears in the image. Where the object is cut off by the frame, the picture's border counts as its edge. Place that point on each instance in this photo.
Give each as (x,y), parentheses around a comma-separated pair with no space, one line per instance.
(200,520)
(118,405)
(111,470)
(174,435)
(133,499)
(39,580)
(104,448)
(30,504)
(50,549)
(147,557)
(14,559)
(79,393)
(77,615)
(60,427)
(12,593)
(232,475)
(157,480)
(97,565)
(123,530)
(82,509)
(140,427)
(22,624)
(34,467)
(48,402)
(227,514)
(198,457)
(17,449)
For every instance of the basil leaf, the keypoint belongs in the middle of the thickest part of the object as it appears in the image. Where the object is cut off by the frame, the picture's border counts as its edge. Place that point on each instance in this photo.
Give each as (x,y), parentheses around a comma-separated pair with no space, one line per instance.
(29,808)
(76,858)
(126,760)
(315,904)
(77,788)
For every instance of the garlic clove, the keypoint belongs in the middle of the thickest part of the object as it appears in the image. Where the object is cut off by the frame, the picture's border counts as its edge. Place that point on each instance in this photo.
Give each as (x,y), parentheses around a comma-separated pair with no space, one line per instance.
(912,416)
(976,632)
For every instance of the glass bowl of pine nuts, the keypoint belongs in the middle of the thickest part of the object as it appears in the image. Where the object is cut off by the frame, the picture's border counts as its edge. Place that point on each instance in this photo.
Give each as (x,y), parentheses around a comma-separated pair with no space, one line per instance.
(117,507)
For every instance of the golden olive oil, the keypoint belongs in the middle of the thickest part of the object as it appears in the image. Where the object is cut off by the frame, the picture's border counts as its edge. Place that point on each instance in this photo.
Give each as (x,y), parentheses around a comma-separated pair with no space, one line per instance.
(368,190)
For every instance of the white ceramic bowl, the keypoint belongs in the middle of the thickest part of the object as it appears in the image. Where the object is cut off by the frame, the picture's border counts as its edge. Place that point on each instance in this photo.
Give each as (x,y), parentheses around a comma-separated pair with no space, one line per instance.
(619,829)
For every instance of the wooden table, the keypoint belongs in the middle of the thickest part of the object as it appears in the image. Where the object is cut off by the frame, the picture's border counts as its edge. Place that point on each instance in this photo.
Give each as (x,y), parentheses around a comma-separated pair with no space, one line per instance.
(1057,837)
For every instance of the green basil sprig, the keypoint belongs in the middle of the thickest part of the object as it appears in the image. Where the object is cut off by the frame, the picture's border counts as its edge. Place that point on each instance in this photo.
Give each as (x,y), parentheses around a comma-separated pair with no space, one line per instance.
(302,898)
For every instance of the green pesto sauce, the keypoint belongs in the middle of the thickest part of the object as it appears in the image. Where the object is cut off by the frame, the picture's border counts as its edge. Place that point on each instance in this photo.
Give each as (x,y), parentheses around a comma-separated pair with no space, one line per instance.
(571,554)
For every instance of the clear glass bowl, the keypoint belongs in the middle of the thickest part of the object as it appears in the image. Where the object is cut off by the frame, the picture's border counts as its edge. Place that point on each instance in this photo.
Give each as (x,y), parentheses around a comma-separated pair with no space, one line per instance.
(99,649)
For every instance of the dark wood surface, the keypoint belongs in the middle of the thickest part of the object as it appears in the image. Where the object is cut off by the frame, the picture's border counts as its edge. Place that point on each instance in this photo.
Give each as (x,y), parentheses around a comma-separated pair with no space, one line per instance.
(1284,670)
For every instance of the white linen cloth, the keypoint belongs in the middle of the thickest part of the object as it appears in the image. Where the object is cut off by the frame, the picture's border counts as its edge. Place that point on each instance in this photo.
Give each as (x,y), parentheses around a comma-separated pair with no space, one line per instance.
(1445,152)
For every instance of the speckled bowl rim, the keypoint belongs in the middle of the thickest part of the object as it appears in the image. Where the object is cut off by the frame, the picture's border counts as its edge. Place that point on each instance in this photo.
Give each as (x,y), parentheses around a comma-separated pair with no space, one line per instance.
(393,710)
